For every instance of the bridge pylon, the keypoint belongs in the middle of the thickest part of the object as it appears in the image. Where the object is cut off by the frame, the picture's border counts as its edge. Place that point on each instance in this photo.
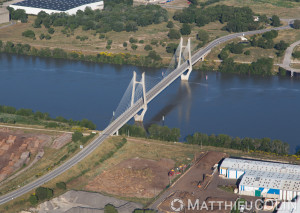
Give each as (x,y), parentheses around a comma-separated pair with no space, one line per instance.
(185,76)
(139,117)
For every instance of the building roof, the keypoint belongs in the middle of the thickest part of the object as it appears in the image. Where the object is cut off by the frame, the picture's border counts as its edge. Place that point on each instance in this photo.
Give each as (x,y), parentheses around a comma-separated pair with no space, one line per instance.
(271,180)
(245,165)
(289,207)
(59,5)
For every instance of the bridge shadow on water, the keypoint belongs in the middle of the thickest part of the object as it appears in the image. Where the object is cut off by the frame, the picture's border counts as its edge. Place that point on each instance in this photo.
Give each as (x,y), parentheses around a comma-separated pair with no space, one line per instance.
(184,93)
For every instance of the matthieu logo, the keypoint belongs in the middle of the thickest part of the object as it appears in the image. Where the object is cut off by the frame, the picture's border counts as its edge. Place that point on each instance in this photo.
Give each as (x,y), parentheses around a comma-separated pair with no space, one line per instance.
(177,205)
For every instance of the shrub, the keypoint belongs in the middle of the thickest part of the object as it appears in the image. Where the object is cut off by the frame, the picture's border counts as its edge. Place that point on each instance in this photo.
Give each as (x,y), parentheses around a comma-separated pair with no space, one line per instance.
(61,185)
(76,136)
(134,47)
(124,44)
(185,29)
(109,42)
(141,41)
(108,47)
(42,36)
(174,34)
(154,42)
(170,24)
(171,48)
(133,40)
(102,36)
(28,34)
(43,193)
(296,24)
(296,54)
(47,37)
(109,208)
(247,52)
(33,199)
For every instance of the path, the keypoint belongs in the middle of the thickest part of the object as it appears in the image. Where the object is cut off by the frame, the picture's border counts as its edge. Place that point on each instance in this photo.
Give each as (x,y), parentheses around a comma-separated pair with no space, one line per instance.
(286,64)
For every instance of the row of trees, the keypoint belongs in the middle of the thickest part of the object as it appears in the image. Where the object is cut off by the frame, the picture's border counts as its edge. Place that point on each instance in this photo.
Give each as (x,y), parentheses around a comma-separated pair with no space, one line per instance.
(151,60)
(116,17)
(45,116)
(245,144)
(18,14)
(155,131)
(262,66)
(238,19)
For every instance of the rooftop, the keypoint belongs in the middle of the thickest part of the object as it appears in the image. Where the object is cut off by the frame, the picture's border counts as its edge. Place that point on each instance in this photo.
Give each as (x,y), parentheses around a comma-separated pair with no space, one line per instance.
(60,5)
(271,180)
(245,165)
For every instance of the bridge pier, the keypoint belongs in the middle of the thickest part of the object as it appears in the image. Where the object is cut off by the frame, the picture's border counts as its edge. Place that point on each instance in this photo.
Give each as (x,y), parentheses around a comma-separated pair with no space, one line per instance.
(185,76)
(139,117)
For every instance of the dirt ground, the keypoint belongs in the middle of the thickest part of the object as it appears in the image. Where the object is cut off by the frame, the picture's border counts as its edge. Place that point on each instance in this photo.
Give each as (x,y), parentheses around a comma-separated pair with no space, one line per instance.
(187,186)
(134,177)
(18,148)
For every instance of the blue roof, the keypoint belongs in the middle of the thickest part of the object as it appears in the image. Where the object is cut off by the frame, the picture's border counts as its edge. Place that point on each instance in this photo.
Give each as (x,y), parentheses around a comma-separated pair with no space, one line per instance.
(60,5)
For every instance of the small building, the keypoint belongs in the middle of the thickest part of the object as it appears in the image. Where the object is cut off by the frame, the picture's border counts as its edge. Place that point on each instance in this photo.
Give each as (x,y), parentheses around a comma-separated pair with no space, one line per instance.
(4,15)
(57,6)
(282,186)
(235,168)
(256,18)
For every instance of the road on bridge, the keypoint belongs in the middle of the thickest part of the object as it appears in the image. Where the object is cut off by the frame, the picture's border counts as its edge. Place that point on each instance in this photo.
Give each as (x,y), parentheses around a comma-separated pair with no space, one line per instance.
(125,117)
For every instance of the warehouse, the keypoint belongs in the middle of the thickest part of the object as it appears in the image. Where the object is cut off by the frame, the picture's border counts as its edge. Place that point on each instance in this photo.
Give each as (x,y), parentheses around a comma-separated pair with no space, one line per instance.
(281,186)
(57,6)
(235,168)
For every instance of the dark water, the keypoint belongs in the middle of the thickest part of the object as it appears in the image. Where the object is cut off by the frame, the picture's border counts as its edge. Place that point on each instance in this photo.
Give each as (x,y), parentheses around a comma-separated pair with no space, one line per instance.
(230,104)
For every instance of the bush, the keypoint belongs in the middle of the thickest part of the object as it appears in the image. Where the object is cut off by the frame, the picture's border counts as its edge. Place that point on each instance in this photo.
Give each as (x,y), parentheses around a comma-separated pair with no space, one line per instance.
(101,36)
(247,52)
(28,34)
(109,42)
(51,30)
(170,24)
(61,185)
(108,47)
(171,48)
(275,21)
(42,36)
(109,208)
(141,41)
(296,54)
(174,34)
(154,42)
(47,37)
(148,47)
(124,44)
(202,35)
(77,136)
(281,46)
(296,24)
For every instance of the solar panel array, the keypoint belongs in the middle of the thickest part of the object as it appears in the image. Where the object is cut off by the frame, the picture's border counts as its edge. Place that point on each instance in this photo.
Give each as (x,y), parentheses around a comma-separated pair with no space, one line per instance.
(60,5)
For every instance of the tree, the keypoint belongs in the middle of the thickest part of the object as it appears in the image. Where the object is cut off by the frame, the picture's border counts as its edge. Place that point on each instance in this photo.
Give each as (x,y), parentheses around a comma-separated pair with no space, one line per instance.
(275,21)
(153,55)
(148,47)
(223,54)
(174,34)
(33,199)
(203,36)
(28,34)
(47,37)
(43,193)
(171,48)
(296,54)
(170,24)
(247,52)
(296,24)
(185,29)
(270,35)
(282,45)
(51,30)
(124,44)
(109,208)
(134,47)
(42,36)
(133,40)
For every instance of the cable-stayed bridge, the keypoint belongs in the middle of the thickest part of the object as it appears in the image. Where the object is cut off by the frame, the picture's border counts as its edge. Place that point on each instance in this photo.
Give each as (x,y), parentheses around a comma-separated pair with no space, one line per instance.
(135,102)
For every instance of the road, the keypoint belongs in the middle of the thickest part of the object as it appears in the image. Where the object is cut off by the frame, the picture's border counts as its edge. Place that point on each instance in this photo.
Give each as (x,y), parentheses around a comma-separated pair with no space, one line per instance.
(286,64)
(125,117)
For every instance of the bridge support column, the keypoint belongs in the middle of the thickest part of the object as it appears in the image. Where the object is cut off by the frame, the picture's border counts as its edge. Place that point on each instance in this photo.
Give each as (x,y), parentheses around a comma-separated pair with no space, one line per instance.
(139,117)
(185,76)
(292,73)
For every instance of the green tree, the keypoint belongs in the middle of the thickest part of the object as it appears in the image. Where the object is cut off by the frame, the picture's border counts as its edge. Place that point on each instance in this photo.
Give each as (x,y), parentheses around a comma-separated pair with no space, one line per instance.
(275,21)
(134,47)
(171,48)
(148,47)
(43,193)
(42,36)
(47,37)
(77,136)
(247,52)
(51,30)
(185,29)
(33,199)
(202,35)
(174,34)
(133,40)
(296,54)
(124,44)
(170,24)
(109,208)
(296,24)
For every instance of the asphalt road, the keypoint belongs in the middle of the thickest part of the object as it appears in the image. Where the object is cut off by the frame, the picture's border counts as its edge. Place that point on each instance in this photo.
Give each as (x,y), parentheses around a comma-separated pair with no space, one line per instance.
(124,118)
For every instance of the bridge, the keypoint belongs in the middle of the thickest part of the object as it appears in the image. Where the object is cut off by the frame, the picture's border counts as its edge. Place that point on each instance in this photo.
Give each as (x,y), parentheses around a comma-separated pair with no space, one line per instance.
(134,103)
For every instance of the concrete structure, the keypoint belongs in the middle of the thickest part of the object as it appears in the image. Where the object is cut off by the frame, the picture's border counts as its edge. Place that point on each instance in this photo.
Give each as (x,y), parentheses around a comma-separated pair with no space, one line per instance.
(185,77)
(235,168)
(4,15)
(282,186)
(290,207)
(55,6)
(139,117)
(123,118)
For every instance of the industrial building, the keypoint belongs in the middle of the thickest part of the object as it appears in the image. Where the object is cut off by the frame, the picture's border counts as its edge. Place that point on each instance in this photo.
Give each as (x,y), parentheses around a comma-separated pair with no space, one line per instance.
(4,15)
(235,168)
(57,6)
(282,186)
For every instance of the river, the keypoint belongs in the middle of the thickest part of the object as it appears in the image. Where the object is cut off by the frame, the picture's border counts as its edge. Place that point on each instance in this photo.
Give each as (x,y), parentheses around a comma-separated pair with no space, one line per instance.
(243,106)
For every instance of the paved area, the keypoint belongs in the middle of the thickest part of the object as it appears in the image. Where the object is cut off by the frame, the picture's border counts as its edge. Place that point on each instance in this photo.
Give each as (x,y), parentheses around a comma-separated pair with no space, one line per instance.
(286,64)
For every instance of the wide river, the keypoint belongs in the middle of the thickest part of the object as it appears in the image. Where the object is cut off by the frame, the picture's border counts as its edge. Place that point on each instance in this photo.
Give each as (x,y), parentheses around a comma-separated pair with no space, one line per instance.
(243,106)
